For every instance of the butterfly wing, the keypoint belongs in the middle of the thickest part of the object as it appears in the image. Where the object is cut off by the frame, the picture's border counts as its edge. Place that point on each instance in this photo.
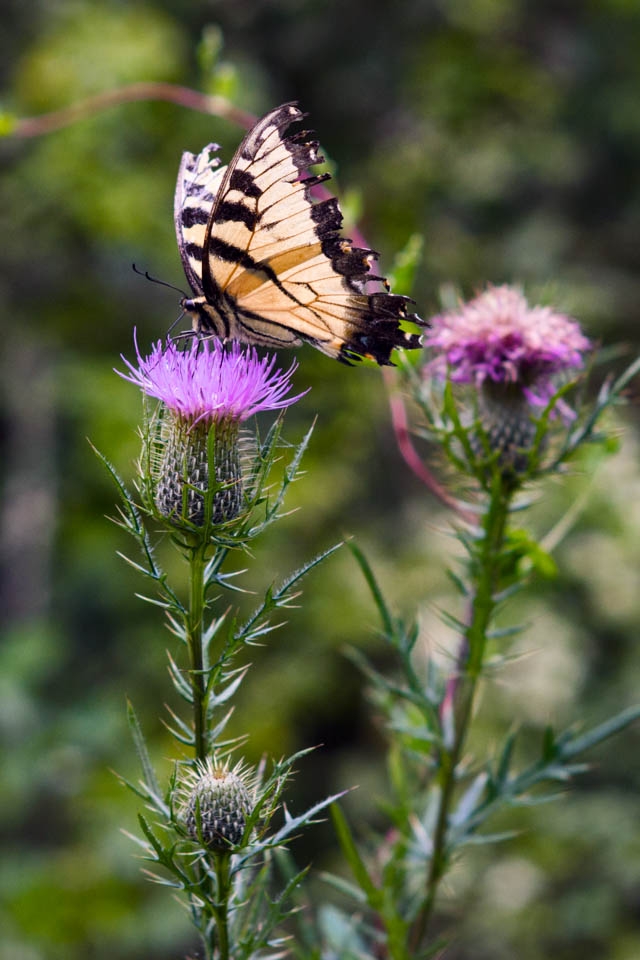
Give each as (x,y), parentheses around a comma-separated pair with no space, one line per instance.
(270,263)
(199,179)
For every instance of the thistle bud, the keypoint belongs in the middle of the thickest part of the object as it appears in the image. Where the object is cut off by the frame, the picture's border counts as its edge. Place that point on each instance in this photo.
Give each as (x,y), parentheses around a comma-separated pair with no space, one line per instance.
(506,418)
(217,802)
(182,469)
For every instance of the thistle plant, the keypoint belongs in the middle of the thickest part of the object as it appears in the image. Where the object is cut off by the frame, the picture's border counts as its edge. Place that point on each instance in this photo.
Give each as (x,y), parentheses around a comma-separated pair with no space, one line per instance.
(499,393)
(217,825)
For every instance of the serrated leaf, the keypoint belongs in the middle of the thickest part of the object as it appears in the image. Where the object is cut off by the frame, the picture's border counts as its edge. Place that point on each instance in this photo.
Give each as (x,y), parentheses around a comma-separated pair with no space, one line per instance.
(132,563)
(505,758)
(343,886)
(458,583)
(215,700)
(156,603)
(503,633)
(469,800)
(372,583)
(184,727)
(602,732)
(181,684)
(254,626)
(148,772)
(292,824)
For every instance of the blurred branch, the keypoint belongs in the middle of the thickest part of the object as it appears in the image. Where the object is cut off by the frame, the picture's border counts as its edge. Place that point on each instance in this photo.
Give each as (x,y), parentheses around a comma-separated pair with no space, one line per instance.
(170,93)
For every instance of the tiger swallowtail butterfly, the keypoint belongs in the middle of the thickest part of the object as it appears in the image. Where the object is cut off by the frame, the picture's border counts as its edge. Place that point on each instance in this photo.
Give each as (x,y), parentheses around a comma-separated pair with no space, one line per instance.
(266,262)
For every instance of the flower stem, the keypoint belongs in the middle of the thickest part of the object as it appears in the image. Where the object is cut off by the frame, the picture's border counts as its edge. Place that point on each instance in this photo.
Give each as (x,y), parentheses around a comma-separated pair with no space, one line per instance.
(219,909)
(222,863)
(485,574)
(194,637)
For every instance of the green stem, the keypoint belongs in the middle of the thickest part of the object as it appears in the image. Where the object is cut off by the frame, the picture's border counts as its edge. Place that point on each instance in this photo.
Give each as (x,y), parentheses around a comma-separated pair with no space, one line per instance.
(194,637)
(220,908)
(485,574)
(222,863)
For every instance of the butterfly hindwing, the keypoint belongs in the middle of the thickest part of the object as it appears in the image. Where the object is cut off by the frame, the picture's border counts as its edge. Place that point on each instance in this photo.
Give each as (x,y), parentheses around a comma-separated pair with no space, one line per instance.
(266,261)
(199,179)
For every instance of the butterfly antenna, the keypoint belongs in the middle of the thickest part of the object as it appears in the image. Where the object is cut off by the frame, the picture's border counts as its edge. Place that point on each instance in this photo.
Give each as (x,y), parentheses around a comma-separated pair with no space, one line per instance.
(162,283)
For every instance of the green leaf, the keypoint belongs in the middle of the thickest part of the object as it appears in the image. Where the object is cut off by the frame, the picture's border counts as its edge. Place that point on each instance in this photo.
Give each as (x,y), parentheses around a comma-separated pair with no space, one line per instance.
(501,633)
(405,264)
(469,800)
(343,886)
(478,839)
(216,699)
(602,732)
(340,931)
(255,626)
(149,775)
(417,697)
(151,837)
(262,462)
(290,475)
(372,583)
(458,583)
(180,682)
(295,578)
(505,760)
(419,739)
(373,894)
(531,555)
(184,733)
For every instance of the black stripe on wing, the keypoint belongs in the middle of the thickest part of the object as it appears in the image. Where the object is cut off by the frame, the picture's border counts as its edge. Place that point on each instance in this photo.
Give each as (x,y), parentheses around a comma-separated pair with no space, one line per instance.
(243,182)
(368,323)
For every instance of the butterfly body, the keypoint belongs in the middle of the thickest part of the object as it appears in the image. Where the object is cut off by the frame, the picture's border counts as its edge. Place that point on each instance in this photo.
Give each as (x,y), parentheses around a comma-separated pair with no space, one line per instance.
(265,260)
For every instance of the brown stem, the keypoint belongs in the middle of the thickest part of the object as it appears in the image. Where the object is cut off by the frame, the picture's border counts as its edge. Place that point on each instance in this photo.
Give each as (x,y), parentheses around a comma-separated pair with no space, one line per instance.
(410,455)
(168,92)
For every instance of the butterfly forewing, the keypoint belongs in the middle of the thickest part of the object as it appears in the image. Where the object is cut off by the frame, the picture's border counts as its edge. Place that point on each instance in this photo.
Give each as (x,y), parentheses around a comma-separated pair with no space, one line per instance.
(267,262)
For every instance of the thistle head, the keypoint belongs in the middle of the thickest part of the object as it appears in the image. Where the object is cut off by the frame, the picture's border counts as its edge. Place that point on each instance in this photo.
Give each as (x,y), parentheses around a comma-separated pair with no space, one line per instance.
(216,800)
(206,392)
(497,337)
(515,357)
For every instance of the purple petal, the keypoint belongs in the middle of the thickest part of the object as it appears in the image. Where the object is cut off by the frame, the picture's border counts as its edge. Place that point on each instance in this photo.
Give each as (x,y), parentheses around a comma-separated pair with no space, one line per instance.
(209,380)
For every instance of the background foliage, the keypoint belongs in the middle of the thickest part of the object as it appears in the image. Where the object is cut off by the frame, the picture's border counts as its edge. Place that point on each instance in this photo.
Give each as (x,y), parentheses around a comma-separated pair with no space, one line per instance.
(507,132)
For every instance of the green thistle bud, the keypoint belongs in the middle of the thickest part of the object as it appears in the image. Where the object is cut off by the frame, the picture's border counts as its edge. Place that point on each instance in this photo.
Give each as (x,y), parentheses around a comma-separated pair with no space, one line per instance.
(505,415)
(181,469)
(221,798)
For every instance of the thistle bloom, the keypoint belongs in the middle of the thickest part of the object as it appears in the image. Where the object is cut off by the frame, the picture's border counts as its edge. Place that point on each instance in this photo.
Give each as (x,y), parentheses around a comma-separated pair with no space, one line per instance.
(206,388)
(512,353)
(498,337)
(210,381)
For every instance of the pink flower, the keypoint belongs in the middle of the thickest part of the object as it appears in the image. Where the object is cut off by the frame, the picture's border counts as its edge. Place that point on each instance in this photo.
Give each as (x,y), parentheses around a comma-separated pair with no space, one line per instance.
(208,381)
(498,336)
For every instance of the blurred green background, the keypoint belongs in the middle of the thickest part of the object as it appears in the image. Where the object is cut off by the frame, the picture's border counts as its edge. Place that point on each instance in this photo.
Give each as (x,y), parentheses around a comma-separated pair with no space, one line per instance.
(509,134)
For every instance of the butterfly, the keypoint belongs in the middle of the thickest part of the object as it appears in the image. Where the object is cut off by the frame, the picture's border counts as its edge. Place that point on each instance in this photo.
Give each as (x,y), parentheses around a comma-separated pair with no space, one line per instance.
(266,262)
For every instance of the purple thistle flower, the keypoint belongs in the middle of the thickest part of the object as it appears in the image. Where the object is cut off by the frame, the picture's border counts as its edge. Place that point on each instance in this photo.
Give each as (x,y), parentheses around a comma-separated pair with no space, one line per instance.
(209,381)
(498,337)
(206,391)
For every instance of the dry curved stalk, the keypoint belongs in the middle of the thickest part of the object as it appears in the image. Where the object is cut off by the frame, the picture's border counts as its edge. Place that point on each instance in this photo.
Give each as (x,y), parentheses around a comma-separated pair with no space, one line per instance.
(168,92)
